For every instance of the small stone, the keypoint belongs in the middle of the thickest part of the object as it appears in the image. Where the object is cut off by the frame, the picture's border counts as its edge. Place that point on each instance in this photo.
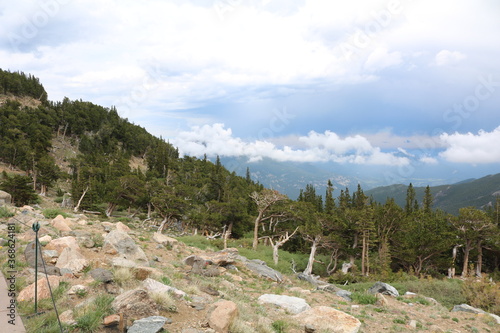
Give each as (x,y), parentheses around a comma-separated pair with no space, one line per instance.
(112,320)
(413,323)
(309,328)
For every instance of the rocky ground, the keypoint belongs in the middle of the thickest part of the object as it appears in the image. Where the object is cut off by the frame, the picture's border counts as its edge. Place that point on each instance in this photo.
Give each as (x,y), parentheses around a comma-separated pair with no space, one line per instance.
(184,289)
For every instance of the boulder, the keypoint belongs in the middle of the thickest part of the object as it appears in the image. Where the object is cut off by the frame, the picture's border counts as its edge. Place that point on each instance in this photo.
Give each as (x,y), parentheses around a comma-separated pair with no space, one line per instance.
(345,294)
(125,263)
(5,198)
(151,324)
(45,239)
(72,259)
(470,309)
(221,258)
(102,275)
(111,320)
(154,286)
(261,269)
(292,304)
(384,289)
(328,319)
(135,304)
(59,244)
(84,238)
(78,288)
(164,240)
(29,255)
(67,318)
(122,227)
(222,315)
(60,223)
(121,243)
(28,293)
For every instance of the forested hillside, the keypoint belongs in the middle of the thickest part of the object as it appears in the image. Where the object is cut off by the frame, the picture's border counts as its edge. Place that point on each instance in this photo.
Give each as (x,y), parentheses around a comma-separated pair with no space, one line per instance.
(358,235)
(480,193)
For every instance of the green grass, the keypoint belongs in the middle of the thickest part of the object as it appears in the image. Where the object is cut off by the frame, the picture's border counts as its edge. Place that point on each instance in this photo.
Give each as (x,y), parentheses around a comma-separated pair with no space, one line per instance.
(279,326)
(363,298)
(50,213)
(5,212)
(90,318)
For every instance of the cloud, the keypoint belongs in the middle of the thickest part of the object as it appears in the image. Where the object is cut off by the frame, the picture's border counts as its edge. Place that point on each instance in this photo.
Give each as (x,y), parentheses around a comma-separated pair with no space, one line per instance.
(380,58)
(215,140)
(471,148)
(445,58)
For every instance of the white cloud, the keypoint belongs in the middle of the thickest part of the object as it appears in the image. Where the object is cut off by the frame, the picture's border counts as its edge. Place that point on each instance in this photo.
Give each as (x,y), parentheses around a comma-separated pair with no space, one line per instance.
(428,160)
(471,148)
(380,58)
(445,58)
(217,140)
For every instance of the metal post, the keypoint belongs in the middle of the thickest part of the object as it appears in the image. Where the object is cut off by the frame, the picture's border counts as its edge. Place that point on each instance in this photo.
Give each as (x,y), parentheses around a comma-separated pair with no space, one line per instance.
(36,227)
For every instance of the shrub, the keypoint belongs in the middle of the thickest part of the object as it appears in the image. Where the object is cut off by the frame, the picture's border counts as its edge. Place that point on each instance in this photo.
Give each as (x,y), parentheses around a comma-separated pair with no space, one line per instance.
(279,326)
(51,213)
(482,294)
(363,298)
(5,212)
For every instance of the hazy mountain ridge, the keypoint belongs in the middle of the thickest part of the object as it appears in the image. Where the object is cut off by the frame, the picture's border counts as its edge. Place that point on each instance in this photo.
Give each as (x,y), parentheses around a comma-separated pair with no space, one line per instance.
(479,193)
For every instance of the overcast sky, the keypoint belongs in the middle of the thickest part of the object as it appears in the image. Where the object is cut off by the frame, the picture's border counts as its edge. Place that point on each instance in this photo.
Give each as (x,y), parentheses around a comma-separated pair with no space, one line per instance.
(364,82)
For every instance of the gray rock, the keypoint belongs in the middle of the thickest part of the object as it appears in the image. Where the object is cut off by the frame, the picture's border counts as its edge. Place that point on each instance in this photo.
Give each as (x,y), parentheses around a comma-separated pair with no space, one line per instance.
(51,253)
(5,198)
(84,238)
(260,268)
(135,304)
(151,324)
(121,243)
(384,289)
(345,294)
(470,309)
(29,255)
(292,304)
(102,275)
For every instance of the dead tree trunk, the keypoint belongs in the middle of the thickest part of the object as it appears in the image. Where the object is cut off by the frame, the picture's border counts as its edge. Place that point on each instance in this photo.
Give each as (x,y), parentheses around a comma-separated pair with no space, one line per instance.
(312,254)
(77,207)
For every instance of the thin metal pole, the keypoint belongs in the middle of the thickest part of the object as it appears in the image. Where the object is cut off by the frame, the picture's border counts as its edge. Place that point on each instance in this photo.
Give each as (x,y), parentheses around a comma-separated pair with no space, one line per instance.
(36,227)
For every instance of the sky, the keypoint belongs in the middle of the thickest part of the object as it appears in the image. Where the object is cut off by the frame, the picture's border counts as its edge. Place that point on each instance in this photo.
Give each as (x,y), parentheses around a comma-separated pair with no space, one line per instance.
(397,84)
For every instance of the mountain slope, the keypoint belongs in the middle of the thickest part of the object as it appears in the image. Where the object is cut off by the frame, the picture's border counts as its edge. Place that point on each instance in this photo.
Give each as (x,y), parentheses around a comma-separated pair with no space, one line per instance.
(478,193)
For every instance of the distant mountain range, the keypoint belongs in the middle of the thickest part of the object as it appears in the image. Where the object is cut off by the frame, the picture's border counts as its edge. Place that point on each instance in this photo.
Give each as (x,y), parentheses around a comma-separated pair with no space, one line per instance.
(289,178)
(471,192)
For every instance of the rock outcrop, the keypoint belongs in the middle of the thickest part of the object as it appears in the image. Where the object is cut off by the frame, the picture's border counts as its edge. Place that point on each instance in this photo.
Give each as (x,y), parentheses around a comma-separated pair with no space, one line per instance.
(291,304)
(329,319)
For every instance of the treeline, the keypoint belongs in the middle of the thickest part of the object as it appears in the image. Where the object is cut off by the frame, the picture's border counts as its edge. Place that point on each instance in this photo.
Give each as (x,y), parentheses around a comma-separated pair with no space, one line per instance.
(360,236)
(183,191)
(20,84)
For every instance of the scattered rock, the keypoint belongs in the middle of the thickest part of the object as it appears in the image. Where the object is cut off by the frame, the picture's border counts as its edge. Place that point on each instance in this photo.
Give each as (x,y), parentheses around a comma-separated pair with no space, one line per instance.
(135,303)
(60,244)
(121,262)
(45,239)
(121,243)
(381,300)
(164,240)
(413,324)
(5,198)
(383,288)
(309,328)
(101,275)
(72,259)
(107,226)
(261,269)
(29,255)
(151,324)
(330,319)
(84,238)
(78,288)
(154,286)
(28,293)
(112,320)
(222,315)
(292,304)
(470,309)
(345,294)
(67,318)
(221,258)
(122,227)
(60,223)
